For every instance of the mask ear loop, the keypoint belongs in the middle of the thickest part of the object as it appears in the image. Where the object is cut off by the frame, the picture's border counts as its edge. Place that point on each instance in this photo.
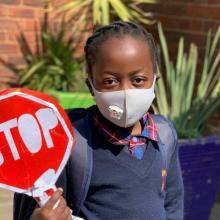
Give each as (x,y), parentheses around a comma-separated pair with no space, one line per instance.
(89,84)
(154,80)
(156,77)
(89,80)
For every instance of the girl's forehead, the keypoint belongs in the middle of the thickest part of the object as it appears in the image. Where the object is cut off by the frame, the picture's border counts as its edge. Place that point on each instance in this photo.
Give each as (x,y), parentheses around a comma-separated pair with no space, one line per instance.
(123,55)
(122,47)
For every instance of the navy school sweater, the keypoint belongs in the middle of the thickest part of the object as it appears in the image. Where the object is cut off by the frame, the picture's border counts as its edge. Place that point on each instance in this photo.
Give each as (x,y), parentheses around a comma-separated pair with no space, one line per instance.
(123,187)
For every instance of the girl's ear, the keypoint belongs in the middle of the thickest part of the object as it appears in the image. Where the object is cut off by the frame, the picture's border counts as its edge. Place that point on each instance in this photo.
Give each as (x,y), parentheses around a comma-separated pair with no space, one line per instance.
(89,86)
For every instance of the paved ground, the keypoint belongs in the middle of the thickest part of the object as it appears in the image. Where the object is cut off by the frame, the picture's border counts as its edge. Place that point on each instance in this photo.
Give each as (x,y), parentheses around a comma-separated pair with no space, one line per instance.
(6,207)
(215,213)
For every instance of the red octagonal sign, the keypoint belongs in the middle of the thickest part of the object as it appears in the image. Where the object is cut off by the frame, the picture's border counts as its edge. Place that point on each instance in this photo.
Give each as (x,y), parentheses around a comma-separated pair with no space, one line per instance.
(36,139)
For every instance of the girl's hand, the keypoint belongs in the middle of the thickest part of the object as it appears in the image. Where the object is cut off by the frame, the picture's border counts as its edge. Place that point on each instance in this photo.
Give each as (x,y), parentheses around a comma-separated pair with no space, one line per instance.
(53,210)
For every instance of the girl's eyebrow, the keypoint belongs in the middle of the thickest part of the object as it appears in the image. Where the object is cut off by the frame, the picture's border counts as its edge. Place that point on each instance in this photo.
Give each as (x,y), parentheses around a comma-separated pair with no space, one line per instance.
(110,73)
(130,73)
(137,71)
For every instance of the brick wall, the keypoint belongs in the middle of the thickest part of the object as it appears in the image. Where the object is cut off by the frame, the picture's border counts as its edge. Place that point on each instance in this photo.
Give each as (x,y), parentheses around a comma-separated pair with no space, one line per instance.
(15,16)
(190,19)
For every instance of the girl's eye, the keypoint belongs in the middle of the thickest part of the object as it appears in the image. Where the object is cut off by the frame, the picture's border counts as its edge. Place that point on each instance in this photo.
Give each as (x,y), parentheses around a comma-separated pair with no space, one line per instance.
(139,81)
(110,81)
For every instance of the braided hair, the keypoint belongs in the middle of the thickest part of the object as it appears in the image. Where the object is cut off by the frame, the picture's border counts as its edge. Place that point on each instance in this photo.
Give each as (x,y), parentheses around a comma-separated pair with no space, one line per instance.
(117,29)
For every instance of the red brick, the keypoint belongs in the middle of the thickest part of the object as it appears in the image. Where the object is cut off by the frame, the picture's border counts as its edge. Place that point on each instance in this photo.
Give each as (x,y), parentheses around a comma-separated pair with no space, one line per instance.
(8,24)
(182,23)
(30,25)
(33,47)
(30,42)
(185,10)
(33,2)
(2,36)
(11,2)
(174,35)
(6,73)
(17,60)
(59,2)
(12,36)
(3,11)
(7,77)
(30,36)
(213,25)
(21,12)
(39,13)
(188,1)
(3,86)
(214,2)
(196,25)
(8,48)
(204,12)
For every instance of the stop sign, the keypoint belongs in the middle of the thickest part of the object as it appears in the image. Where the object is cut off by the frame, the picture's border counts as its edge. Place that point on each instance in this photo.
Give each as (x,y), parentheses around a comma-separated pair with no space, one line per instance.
(36,139)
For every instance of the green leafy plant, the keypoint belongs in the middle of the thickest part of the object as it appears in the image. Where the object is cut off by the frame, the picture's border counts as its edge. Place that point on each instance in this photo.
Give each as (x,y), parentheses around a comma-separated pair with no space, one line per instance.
(189,102)
(83,15)
(53,65)
(101,10)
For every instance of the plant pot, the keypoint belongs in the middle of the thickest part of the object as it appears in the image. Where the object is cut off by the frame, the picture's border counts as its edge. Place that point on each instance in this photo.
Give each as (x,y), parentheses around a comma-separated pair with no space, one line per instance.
(73,99)
(200,162)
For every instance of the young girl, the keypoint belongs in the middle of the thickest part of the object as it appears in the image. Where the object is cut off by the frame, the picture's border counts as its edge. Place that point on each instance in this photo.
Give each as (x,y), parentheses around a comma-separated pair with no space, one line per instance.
(127,175)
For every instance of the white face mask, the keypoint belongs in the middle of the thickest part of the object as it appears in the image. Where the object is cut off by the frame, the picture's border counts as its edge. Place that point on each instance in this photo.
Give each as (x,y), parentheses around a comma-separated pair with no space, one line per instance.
(125,107)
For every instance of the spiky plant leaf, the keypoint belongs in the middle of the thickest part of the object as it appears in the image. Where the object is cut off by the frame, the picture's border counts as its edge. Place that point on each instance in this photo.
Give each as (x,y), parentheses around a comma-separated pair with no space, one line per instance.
(190,105)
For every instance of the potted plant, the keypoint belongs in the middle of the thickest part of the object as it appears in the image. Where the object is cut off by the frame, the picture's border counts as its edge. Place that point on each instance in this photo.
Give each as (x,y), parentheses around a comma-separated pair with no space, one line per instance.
(189,102)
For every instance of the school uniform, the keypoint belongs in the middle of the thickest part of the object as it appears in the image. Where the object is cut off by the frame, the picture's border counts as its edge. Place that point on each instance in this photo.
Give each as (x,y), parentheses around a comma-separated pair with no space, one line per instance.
(125,177)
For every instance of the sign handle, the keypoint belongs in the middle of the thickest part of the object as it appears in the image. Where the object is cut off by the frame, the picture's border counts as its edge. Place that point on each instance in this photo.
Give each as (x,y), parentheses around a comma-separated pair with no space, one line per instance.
(41,200)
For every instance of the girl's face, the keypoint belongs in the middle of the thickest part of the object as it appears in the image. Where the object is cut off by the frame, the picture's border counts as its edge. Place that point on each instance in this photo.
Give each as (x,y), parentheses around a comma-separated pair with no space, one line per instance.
(122,63)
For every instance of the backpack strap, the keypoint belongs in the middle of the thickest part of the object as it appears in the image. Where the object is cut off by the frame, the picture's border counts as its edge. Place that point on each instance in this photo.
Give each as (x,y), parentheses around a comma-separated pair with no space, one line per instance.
(167,135)
(79,167)
(167,140)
